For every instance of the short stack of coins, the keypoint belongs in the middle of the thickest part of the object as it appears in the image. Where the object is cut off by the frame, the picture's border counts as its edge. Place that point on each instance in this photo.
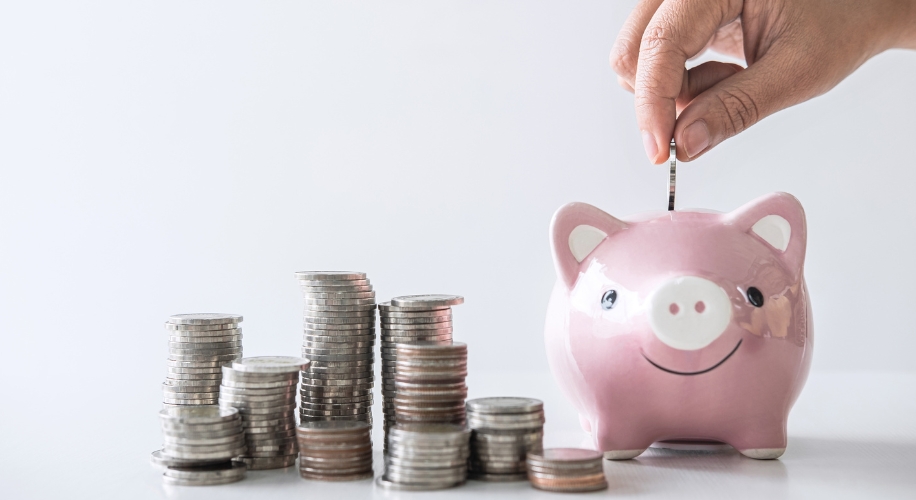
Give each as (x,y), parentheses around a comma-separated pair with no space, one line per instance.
(263,390)
(425,457)
(504,431)
(199,345)
(430,383)
(199,445)
(567,470)
(335,450)
(412,319)
(339,340)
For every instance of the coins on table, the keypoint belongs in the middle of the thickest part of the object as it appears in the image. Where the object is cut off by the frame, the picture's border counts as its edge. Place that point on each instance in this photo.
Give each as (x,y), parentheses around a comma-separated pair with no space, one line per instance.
(339,340)
(335,450)
(567,470)
(263,391)
(430,383)
(425,457)
(504,431)
(199,443)
(199,344)
(421,319)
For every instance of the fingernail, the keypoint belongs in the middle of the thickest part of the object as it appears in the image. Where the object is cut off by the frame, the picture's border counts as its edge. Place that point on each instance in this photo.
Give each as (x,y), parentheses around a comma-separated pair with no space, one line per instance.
(696,138)
(648,142)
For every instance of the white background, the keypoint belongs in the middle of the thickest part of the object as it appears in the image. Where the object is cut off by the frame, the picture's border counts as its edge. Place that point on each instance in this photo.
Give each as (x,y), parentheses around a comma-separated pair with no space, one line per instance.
(165,157)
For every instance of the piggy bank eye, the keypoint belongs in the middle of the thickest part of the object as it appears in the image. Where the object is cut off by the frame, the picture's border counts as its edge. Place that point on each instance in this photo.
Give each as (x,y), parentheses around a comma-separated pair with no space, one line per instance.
(755,297)
(609,299)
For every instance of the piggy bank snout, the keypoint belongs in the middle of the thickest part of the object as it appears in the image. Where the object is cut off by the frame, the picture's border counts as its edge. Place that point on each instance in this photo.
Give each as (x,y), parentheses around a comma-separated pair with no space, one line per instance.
(689,312)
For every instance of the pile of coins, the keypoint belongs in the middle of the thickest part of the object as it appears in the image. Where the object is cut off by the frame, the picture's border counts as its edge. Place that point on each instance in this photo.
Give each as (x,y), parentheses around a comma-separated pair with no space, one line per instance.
(199,445)
(505,431)
(412,319)
(568,470)
(263,390)
(430,383)
(425,457)
(335,450)
(339,340)
(199,344)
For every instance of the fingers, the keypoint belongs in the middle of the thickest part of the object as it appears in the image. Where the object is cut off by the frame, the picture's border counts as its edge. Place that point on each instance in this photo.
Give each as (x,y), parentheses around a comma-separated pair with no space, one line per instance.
(701,78)
(739,101)
(625,53)
(678,30)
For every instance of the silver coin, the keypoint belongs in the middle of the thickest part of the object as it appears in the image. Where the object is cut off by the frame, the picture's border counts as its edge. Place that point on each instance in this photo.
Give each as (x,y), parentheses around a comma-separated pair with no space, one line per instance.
(266,463)
(338,357)
(278,399)
(422,320)
(247,405)
(346,320)
(231,374)
(483,476)
(308,295)
(386,484)
(339,302)
(341,364)
(235,391)
(426,301)
(162,460)
(438,326)
(672,174)
(171,363)
(197,415)
(208,346)
(172,481)
(270,364)
(205,340)
(388,314)
(235,440)
(335,276)
(194,376)
(186,451)
(185,433)
(368,326)
(191,371)
(338,339)
(387,307)
(323,288)
(204,319)
(314,375)
(191,384)
(200,329)
(357,313)
(310,352)
(339,308)
(259,385)
(504,405)
(205,357)
(338,400)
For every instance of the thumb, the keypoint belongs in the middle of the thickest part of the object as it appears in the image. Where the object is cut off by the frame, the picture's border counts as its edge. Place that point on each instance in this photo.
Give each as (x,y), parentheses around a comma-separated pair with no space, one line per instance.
(731,106)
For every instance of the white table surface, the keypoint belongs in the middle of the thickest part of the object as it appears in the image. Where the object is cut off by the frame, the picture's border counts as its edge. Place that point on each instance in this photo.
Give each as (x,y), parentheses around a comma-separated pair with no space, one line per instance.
(851,435)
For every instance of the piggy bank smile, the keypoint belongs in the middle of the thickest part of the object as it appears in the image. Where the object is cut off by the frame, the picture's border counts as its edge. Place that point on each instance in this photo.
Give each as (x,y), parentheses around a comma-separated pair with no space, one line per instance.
(681,325)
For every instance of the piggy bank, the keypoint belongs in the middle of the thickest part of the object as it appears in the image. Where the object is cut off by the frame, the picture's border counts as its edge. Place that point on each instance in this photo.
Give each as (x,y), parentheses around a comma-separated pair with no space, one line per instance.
(681,326)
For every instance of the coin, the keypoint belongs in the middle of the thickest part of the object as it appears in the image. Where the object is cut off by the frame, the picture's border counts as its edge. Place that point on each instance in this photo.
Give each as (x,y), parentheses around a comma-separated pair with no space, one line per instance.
(335,276)
(672,174)
(426,301)
(270,364)
(204,319)
(264,463)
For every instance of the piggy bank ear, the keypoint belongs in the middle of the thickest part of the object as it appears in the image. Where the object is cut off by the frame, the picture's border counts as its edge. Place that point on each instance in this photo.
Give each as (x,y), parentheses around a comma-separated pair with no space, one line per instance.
(575,231)
(778,220)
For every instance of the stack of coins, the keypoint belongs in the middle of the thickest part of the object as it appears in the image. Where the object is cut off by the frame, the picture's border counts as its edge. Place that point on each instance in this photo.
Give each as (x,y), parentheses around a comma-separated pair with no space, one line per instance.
(199,344)
(425,457)
(199,445)
(505,430)
(263,390)
(339,340)
(335,450)
(412,319)
(567,470)
(430,383)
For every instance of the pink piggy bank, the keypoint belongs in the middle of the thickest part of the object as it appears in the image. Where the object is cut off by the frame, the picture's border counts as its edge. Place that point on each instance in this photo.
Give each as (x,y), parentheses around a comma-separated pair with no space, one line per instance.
(684,325)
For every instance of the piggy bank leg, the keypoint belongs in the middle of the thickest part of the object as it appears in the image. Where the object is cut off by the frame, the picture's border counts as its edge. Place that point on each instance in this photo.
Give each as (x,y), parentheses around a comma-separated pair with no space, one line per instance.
(617,442)
(764,441)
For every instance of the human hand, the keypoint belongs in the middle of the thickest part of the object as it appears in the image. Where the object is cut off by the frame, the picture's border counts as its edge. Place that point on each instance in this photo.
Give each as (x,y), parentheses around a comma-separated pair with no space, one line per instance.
(794,49)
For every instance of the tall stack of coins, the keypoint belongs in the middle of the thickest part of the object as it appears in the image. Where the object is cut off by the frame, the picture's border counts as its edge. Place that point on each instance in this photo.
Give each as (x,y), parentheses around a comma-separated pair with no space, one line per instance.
(199,445)
(568,470)
(425,457)
(430,383)
(505,430)
(263,390)
(335,450)
(199,344)
(339,340)
(412,319)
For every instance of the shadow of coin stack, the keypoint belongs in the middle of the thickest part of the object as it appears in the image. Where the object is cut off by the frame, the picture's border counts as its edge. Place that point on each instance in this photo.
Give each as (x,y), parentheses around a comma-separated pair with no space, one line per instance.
(412,320)
(199,345)
(425,457)
(199,445)
(430,383)
(567,470)
(335,450)
(339,340)
(263,390)
(504,431)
